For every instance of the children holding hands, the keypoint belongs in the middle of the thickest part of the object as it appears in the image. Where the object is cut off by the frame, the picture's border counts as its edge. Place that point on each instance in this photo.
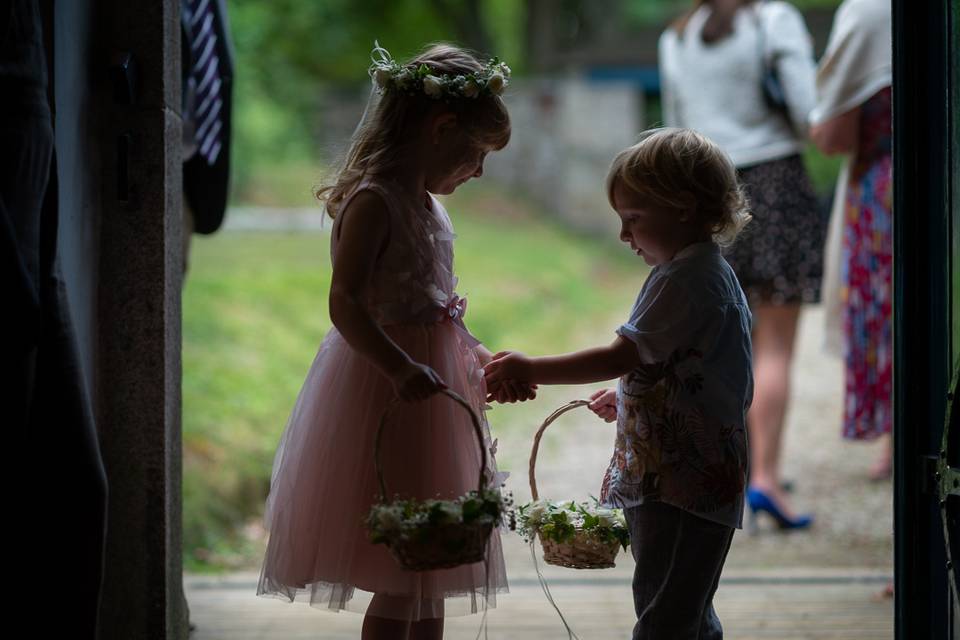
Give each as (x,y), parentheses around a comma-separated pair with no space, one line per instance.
(683,358)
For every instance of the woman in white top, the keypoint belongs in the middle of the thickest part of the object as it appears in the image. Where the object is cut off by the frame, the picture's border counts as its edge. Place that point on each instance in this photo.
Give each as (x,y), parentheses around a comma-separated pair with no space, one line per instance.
(713,62)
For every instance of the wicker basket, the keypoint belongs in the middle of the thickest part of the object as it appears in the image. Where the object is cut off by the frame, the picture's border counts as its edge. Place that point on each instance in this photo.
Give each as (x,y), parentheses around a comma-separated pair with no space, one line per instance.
(438,546)
(584,551)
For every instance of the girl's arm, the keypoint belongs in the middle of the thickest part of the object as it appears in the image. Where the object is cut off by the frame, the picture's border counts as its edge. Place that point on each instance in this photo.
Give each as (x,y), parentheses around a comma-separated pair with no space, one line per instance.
(363,234)
(483,354)
(580,367)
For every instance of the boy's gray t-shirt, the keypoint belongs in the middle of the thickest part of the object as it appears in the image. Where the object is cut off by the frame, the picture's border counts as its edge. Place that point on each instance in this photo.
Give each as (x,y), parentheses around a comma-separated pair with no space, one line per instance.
(681,414)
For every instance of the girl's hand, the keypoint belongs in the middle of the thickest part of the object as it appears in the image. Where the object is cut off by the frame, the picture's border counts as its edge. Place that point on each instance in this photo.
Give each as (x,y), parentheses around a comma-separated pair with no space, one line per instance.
(507,365)
(525,390)
(511,391)
(604,404)
(415,381)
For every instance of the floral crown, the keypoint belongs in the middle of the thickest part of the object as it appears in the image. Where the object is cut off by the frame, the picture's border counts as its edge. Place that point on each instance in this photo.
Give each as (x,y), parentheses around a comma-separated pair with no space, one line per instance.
(388,75)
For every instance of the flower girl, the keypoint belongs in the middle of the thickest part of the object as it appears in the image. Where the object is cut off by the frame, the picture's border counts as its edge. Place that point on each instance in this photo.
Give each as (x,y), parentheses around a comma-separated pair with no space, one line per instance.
(398,331)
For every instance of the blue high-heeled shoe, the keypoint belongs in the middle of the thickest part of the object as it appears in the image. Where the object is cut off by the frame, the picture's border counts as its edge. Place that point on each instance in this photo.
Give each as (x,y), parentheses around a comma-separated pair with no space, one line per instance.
(758,501)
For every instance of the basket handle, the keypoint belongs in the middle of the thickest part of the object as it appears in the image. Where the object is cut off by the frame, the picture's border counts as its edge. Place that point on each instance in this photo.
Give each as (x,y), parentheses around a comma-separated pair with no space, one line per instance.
(383,421)
(573,404)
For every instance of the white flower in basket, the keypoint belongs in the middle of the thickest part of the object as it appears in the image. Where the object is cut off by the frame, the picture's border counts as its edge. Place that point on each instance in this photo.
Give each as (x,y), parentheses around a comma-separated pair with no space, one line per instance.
(575,535)
(536,512)
(424,535)
(591,535)
(608,517)
(390,519)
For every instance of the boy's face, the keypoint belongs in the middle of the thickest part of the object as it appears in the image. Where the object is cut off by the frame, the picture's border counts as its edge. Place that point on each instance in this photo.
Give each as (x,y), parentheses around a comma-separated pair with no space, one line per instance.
(654,234)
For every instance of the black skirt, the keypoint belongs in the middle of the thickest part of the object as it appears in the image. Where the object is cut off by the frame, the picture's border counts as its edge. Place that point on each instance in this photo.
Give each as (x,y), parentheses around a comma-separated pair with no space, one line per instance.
(778,257)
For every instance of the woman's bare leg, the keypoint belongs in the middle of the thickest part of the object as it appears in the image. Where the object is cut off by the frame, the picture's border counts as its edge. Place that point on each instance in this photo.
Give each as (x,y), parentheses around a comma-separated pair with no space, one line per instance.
(882,467)
(774,333)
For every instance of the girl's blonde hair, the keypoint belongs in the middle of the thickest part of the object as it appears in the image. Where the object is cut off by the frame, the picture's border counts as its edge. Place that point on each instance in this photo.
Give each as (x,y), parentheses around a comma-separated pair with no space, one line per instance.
(379,145)
(681,170)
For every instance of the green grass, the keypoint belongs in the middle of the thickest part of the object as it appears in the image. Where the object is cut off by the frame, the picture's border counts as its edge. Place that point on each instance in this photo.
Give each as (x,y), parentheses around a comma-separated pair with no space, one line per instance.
(255,310)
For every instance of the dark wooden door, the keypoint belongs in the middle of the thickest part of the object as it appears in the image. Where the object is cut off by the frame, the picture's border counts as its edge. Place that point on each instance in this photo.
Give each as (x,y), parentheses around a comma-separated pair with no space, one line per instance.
(926,315)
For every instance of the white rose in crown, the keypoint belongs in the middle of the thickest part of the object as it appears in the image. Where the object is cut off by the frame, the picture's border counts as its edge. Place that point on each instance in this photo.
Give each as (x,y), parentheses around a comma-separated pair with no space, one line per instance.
(496,83)
(471,89)
(382,76)
(432,86)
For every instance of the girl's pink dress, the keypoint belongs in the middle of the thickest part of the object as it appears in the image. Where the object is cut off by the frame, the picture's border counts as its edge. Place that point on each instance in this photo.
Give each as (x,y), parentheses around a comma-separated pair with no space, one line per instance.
(323,480)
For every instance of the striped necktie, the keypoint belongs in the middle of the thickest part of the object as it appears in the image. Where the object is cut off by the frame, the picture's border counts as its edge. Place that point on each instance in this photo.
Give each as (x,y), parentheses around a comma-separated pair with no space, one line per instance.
(205,77)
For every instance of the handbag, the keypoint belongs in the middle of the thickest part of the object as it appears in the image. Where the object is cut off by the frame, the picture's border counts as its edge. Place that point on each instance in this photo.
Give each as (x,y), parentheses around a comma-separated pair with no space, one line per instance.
(773,94)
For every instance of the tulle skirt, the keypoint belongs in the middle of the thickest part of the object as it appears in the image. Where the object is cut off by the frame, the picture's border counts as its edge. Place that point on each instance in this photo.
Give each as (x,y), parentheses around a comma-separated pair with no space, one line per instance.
(323,482)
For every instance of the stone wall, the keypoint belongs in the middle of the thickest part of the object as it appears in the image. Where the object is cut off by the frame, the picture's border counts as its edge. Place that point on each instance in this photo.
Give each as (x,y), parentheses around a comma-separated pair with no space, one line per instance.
(565,133)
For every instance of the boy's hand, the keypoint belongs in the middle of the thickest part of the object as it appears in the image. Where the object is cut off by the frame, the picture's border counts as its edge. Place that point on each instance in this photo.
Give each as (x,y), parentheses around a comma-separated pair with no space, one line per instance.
(604,404)
(507,365)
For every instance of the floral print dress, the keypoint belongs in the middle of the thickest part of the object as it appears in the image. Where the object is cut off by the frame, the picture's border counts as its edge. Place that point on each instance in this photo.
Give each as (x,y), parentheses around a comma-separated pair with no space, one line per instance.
(867,276)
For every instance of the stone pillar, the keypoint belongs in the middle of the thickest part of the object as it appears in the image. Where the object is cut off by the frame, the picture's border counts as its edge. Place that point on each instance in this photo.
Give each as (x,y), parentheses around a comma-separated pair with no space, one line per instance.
(138,351)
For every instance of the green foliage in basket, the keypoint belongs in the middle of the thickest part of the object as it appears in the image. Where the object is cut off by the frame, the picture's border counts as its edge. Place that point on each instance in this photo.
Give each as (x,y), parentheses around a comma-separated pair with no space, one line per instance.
(560,521)
(413,518)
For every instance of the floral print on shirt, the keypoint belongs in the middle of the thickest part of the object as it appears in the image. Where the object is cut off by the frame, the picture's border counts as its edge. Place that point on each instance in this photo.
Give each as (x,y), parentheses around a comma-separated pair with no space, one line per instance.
(663,450)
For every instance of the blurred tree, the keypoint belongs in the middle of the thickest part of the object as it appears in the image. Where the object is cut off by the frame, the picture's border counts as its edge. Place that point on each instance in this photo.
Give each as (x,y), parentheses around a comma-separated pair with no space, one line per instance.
(466,17)
(287,51)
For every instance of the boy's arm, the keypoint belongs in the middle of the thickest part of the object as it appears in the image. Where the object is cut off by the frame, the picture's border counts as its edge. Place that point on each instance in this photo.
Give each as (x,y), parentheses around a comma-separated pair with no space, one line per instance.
(507,390)
(580,367)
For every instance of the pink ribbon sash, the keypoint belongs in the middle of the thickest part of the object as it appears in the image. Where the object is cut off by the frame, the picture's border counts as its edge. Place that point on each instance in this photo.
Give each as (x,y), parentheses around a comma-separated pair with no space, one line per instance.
(456,308)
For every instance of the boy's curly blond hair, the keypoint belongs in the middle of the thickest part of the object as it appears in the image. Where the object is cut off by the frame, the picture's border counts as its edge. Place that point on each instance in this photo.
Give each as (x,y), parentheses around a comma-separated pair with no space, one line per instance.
(684,171)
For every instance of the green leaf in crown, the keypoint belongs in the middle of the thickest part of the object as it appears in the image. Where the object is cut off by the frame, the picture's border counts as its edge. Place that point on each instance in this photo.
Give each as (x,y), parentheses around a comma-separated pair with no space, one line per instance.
(389,75)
